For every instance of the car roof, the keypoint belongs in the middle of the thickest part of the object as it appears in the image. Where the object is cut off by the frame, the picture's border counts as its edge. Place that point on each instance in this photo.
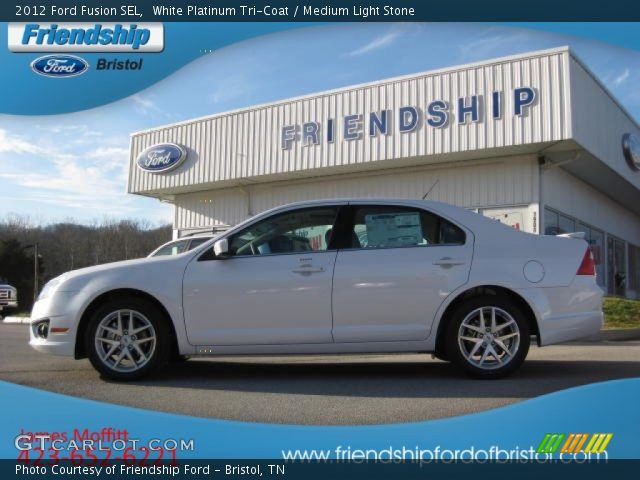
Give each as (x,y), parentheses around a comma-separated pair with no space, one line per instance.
(197,235)
(476,223)
(441,207)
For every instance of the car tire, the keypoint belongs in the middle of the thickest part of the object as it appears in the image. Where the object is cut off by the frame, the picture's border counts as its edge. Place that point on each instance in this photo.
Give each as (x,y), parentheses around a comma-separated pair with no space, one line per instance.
(124,351)
(487,337)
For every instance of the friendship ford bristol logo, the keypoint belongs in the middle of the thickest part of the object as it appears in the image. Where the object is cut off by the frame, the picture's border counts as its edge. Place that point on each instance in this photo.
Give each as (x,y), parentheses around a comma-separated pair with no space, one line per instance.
(59,66)
(161,158)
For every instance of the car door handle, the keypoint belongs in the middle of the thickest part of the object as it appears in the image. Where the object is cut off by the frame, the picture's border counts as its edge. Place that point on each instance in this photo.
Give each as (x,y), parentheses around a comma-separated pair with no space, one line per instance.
(307,269)
(448,262)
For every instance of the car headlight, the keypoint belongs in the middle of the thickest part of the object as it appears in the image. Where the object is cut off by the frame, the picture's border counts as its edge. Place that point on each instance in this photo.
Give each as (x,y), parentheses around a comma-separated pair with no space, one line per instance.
(48,288)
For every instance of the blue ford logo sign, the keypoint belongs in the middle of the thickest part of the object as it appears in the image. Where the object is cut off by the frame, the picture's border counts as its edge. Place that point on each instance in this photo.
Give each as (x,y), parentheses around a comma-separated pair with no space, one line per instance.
(161,158)
(59,66)
(631,149)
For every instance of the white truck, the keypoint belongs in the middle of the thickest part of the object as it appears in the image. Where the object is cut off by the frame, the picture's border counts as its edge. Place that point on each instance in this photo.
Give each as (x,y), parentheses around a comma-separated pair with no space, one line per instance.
(8,298)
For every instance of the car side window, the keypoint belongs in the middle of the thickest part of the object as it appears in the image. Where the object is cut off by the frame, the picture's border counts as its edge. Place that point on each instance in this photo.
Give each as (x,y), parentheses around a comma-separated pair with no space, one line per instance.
(306,230)
(392,227)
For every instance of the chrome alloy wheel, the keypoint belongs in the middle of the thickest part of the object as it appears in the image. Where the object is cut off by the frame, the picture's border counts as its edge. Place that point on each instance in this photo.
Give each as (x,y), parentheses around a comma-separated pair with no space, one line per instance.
(489,338)
(125,340)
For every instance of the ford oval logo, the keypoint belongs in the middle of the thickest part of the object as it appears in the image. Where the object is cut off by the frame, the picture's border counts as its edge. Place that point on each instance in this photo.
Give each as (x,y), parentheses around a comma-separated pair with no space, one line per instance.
(162,157)
(631,150)
(59,66)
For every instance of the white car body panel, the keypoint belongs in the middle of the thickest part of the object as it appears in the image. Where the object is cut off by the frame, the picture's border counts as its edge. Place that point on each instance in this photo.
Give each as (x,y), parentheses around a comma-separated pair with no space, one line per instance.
(257,305)
(253,300)
(393,294)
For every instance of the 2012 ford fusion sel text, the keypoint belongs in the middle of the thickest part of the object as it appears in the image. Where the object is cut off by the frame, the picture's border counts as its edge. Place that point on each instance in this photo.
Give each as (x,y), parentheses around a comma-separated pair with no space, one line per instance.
(334,276)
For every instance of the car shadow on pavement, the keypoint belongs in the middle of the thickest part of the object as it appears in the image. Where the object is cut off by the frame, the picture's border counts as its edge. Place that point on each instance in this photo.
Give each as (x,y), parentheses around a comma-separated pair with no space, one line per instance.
(431,379)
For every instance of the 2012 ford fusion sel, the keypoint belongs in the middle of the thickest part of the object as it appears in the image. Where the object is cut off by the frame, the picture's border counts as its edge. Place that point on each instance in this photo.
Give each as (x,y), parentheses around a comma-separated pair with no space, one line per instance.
(335,276)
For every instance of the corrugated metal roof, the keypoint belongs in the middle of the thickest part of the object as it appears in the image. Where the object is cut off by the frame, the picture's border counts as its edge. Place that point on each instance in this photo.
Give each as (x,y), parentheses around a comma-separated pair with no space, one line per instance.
(246,145)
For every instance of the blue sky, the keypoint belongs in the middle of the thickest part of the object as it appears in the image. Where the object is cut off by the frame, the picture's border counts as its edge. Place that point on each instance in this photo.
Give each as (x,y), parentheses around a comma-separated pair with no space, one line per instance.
(74,166)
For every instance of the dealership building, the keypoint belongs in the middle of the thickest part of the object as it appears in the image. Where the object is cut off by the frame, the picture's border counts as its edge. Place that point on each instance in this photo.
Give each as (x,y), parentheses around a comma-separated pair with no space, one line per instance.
(533,140)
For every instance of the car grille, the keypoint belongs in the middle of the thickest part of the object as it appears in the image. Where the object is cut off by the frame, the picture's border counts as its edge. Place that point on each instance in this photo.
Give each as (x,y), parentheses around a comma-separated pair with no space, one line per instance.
(5,294)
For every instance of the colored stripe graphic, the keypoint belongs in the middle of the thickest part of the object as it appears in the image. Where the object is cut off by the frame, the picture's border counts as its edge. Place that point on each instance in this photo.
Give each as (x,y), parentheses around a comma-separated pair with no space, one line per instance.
(599,443)
(574,442)
(550,443)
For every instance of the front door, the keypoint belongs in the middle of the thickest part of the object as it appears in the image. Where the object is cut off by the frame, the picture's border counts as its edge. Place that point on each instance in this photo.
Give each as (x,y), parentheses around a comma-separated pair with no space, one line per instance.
(274,288)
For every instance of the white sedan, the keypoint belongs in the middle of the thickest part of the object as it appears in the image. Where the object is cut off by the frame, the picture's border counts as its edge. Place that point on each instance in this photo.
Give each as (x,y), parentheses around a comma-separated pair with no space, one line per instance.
(333,276)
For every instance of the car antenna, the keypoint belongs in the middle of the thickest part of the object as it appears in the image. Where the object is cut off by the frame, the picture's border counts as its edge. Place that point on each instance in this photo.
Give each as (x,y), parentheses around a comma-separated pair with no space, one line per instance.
(429,191)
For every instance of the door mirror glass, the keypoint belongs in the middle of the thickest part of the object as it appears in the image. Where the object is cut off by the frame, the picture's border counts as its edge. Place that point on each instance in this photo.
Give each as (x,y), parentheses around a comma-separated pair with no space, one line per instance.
(221,248)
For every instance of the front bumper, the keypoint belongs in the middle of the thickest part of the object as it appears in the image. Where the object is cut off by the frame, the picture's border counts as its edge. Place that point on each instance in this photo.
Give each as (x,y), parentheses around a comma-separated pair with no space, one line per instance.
(54,344)
(8,304)
(60,312)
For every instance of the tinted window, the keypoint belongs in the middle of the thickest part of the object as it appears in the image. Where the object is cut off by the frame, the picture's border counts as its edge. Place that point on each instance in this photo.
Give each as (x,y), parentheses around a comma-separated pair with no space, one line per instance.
(551,222)
(566,224)
(388,227)
(305,230)
(173,248)
(196,242)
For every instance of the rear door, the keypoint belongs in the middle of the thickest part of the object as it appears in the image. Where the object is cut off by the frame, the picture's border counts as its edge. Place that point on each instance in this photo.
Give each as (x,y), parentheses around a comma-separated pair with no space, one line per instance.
(396,266)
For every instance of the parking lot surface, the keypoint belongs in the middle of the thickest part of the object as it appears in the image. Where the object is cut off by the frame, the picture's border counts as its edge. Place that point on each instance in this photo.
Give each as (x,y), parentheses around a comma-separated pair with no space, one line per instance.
(329,390)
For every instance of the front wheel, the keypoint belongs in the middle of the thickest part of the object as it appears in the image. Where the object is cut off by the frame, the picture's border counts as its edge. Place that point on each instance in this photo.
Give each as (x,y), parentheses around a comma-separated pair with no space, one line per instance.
(127,339)
(488,337)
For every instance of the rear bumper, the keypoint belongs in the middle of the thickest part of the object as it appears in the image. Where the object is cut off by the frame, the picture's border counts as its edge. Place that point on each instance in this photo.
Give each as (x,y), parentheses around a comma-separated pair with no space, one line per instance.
(571,327)
(567,313)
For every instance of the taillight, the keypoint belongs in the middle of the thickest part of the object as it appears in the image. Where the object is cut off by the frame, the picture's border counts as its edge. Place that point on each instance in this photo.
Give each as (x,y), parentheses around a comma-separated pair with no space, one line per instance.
(588,265)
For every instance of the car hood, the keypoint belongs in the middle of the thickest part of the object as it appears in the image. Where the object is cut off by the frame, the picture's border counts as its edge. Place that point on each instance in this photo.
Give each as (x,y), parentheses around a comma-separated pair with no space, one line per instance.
(119,272)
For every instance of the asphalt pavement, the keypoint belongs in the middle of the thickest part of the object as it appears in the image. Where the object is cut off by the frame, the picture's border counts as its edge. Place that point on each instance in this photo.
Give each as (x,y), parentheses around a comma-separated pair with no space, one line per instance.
(328,390)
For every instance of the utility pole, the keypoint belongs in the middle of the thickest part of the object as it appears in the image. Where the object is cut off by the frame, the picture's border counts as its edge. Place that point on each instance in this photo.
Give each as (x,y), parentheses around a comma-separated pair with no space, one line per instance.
(35,272)
(35,269)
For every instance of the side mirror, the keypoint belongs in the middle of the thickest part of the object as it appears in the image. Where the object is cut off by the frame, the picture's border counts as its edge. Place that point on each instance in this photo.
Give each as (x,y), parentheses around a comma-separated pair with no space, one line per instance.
(221,248)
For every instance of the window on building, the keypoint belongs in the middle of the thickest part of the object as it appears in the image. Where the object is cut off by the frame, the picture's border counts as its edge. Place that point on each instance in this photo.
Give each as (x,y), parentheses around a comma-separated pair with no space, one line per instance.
(596,241)
(550,222)
(634,271)
(557,223)
(566,224)
(616,266)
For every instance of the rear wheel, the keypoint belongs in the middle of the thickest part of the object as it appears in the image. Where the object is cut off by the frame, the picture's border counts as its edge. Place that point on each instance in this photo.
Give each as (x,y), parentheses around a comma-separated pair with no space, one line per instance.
(127,339)
(488,337)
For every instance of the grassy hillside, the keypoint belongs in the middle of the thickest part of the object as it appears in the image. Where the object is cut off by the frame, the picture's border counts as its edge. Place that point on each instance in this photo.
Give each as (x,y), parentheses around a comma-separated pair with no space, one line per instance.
(621,313)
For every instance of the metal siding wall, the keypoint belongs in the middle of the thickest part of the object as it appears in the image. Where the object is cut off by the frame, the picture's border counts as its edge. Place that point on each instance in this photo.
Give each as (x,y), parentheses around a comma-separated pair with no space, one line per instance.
(504,182)
(568,194)
(245,144)
(599,123)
